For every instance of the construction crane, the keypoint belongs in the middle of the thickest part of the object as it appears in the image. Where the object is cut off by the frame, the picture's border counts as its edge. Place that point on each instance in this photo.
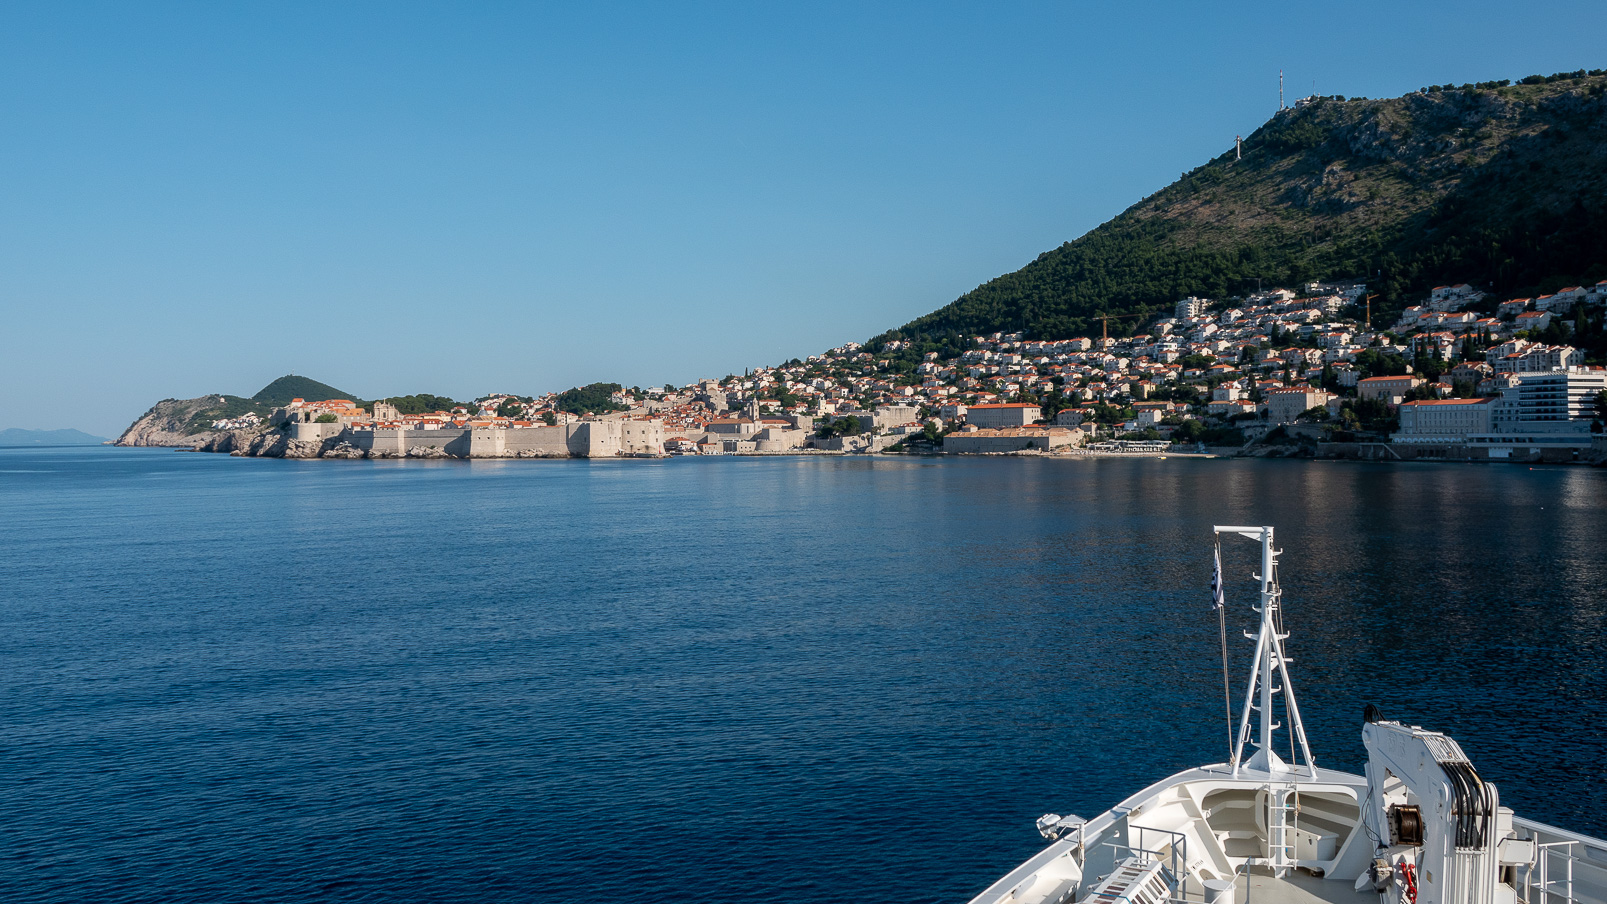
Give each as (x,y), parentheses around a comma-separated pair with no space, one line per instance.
(1368,301)
(1104,323)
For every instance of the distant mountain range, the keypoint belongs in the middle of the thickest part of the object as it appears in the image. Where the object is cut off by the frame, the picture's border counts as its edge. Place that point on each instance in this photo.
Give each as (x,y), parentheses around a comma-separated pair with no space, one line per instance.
(16,436)
(1502,186)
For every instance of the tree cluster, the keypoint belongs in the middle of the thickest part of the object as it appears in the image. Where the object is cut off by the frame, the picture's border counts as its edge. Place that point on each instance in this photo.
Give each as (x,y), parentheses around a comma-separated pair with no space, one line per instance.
(422,403)
(594,398)
(842,426)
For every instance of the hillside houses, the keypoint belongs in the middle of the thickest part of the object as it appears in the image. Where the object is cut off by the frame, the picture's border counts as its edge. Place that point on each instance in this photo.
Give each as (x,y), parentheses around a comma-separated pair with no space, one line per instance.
(1299,359)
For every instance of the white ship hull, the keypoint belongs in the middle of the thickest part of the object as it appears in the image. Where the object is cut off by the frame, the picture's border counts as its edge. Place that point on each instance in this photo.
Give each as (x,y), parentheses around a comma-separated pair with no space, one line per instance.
(1217,828)
(1421,827)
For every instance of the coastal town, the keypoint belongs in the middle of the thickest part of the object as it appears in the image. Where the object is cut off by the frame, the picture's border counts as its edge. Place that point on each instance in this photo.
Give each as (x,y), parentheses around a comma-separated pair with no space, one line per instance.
(1289,371)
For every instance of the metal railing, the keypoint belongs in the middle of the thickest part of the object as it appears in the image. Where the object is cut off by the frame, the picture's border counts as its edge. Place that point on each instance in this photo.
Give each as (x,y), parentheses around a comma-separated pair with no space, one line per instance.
(1176,883)
(1541,869)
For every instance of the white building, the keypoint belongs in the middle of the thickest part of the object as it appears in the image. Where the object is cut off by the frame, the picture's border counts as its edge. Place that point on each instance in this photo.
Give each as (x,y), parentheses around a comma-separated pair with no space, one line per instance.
(1190,307)
(1453,298)
(1520,356)
(1284,405)
(1546,409)
(1558,397)
(1513,307)
(1444,420)
(1389,390)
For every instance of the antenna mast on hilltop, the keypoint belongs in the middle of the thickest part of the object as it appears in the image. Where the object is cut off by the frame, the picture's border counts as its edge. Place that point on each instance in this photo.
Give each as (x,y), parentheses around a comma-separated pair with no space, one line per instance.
(1238,148)
(1280,89)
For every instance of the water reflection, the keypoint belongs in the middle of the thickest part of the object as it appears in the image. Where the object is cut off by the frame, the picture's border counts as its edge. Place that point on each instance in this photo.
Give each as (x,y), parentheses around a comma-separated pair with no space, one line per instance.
(353,680)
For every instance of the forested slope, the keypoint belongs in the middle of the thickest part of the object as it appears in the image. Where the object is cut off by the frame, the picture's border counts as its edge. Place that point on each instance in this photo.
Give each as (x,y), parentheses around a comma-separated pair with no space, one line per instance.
(1499,185)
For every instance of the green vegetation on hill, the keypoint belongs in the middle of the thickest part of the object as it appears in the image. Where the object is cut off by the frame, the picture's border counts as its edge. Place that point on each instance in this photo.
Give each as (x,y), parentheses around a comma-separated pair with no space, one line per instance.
(290,386)
(225,406)
(275,395)
(423,403)
(1498,185)
(594,398)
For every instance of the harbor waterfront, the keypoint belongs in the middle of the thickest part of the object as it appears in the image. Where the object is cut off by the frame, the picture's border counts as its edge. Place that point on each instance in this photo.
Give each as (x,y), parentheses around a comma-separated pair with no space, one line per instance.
(230,678)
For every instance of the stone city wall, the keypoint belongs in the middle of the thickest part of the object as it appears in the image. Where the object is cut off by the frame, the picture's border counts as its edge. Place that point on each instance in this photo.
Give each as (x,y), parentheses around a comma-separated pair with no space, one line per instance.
(399,442)
(582,439)
(313,433)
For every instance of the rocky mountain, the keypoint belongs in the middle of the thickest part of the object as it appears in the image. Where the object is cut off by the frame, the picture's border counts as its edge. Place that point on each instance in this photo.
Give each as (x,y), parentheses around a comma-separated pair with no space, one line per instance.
(171,422)
(188,422)
(1499,185)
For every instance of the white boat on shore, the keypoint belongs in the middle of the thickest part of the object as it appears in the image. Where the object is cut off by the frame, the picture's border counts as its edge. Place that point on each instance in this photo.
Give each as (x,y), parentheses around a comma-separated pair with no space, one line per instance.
(1420,827)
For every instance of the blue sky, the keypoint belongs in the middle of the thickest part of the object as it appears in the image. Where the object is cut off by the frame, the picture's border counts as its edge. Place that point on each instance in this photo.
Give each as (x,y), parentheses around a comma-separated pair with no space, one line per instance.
(459,199)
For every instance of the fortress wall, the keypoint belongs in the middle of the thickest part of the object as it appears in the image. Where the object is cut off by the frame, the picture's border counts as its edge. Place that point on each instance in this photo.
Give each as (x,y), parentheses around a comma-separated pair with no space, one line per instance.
(453,441)
(529,442)
(639,437)
(385,441)
(457,446)
(587,439)
(596,439)
(487,442)
(314,433)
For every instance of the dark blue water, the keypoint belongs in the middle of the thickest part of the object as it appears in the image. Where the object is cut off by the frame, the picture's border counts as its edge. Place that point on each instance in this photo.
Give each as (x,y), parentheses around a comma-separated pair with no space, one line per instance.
(226,679)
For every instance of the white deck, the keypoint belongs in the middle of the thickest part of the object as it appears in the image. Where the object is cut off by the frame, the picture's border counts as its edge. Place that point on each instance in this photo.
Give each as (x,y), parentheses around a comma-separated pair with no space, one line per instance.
(1202,815)
(1298,888)
(1294,833)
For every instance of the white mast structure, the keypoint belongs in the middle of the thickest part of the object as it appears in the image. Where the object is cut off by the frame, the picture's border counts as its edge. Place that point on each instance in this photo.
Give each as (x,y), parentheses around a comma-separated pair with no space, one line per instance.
(1269,659)
(1280,778)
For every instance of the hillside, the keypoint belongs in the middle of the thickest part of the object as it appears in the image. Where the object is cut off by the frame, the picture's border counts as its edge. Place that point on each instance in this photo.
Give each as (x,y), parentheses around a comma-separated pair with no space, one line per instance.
(1497,185)
(188,422)
(177,422)
(290,386)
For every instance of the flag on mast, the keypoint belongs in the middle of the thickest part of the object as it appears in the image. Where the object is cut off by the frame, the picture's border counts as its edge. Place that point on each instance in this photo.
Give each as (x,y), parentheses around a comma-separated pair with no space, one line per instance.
(1217,599)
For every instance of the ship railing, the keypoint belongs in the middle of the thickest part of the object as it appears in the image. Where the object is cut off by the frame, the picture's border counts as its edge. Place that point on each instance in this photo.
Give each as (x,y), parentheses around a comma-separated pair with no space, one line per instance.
(1538,877)
(1173,852)
(1176,853)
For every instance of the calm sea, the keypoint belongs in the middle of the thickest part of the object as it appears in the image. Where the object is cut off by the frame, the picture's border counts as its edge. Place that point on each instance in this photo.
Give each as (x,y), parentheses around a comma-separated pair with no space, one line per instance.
(800,679)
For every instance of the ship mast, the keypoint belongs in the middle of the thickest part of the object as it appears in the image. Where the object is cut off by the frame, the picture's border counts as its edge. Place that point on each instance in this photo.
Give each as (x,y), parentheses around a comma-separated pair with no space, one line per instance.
(1269,659)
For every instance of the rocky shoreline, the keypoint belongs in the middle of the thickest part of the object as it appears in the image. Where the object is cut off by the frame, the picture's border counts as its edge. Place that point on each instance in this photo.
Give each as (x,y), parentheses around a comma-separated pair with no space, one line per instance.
(164,426)
(274,443)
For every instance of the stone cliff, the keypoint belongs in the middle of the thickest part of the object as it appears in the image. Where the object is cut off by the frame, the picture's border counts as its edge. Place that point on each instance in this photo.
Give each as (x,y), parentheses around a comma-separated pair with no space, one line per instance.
(276,443)
(170,423)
